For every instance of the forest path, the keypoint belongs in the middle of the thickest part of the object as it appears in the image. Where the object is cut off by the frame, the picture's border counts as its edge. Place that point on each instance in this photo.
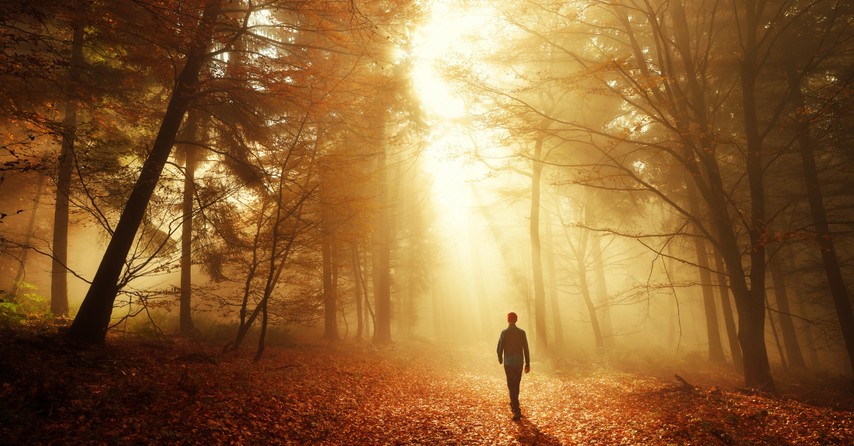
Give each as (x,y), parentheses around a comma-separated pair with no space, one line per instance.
(138,392)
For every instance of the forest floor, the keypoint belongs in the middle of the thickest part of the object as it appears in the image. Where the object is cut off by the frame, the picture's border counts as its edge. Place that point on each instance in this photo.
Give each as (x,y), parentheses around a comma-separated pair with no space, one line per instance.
(135,391)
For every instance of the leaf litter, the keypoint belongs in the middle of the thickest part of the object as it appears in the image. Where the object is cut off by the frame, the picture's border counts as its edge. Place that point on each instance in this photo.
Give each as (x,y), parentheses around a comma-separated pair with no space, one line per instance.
(183,392)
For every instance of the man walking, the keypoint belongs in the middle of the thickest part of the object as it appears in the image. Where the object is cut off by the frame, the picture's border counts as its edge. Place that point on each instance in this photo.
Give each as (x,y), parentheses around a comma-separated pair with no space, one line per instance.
(512,345)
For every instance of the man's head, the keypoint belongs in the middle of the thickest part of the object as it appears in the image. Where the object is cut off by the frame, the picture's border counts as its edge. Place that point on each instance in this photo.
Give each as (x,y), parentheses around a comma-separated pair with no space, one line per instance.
(512,318)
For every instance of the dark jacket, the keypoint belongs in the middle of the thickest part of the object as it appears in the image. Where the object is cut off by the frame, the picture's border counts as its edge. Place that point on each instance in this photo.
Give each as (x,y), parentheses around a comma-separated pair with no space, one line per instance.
(512,344)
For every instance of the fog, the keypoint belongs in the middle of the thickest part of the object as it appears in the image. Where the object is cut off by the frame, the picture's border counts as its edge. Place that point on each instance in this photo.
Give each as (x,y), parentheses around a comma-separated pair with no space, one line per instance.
(638,186)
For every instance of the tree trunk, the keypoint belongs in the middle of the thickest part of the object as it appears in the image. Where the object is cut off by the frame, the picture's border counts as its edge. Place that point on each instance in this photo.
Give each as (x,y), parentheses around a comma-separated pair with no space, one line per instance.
(407,307)
(806,325)
(716,350)
(370,316)
(580,257)
(381,236)
(59,272)
(31,225)
(536,256)
(777,342)
(330,293)
(729,318)
(751,301)
(602,291)
(93,318)
(357,289)
(790,340)
(262,338)
(190,165)
(751,337)
(602,303)
(824,236)
(254,262)
(280,245)
(695,112)
(702,162)
(276,262)
(381,260)
(557,323)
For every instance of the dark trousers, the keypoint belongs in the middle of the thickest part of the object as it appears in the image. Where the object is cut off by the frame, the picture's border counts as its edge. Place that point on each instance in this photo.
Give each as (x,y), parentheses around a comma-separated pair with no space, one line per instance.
(514,378)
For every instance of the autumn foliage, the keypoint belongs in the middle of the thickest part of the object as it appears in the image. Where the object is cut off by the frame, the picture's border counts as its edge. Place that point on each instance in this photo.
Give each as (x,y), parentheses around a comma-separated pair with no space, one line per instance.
(137,391)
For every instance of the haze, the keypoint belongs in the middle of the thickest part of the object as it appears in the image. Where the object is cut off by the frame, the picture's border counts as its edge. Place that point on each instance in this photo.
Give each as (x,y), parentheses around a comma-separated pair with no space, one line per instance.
(647,181)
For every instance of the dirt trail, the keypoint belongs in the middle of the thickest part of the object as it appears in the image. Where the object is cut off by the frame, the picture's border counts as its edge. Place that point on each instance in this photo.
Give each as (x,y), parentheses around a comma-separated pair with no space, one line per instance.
(134,392)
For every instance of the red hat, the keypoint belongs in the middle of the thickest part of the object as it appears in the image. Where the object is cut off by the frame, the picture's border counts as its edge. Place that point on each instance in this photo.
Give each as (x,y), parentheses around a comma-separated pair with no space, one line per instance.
(512,317)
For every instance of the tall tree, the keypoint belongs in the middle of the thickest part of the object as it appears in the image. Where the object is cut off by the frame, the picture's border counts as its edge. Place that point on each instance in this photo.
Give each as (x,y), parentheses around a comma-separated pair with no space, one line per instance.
(752,306)
(536,246)
(191,153)
(92,320)
(794,357)
(59,273)
(329,248)
(729,318)
(716,351)
(833,19)
(381,237)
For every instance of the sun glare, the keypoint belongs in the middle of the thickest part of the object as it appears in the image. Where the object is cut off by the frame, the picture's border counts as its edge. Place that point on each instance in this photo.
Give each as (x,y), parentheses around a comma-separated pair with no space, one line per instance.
(454,33)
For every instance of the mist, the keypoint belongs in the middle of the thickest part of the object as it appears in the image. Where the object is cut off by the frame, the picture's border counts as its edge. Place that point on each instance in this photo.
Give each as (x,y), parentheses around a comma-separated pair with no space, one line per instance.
(642,183)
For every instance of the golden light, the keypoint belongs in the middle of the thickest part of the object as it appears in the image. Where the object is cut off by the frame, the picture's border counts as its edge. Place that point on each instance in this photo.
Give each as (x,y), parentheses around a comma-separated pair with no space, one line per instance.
(455,32)
(453,35)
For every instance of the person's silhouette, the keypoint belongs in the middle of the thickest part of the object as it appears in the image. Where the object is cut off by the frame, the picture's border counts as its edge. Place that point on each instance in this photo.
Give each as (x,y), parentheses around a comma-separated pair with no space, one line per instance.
(512,350)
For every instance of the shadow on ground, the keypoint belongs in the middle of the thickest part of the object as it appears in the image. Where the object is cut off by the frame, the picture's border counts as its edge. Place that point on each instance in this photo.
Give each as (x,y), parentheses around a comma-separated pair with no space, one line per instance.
(530,434)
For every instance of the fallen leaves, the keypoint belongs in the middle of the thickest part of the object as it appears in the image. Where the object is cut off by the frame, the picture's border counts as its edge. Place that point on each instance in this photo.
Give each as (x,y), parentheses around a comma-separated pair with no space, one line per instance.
(185,393)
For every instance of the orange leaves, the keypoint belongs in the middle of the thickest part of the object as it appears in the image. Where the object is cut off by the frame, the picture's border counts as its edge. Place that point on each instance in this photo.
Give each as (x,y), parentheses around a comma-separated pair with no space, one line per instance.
(131,392)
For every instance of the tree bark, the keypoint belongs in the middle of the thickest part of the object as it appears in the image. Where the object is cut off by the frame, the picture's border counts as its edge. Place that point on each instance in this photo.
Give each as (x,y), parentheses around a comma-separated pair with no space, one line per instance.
(777,342)
(809,339)
(751,300)
(93,318)
(370,315)
(554,302)
(190,165)
(794,354)
(583,283)
(59,272)
(22,260)
(750,303)
(716,350)
(262,338)
(602,291)
(824,236)
(381,261)
(330,292)
(709,184)
(691,112)
(729,318)
(536,255)
(357,289)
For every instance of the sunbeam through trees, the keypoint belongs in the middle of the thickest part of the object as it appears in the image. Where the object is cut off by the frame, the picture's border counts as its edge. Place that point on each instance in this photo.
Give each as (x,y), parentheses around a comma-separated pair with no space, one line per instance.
(655,187)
